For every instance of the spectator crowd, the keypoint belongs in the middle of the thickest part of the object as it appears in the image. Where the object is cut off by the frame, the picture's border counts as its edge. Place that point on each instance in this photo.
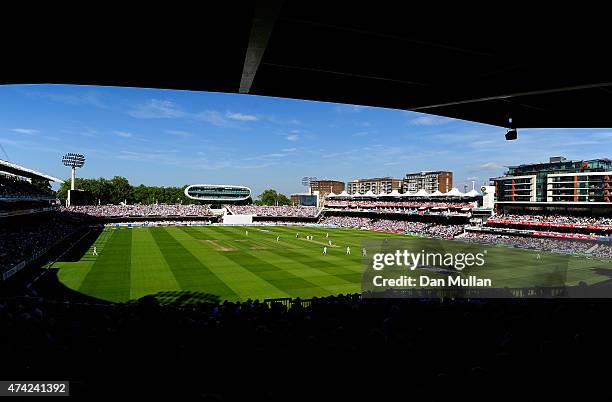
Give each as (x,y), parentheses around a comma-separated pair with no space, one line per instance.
(29,239)
(398,226)
(174,352)
(14,186)
(141,210)
(396,204)
(564,246)
(557,219)
(278,211)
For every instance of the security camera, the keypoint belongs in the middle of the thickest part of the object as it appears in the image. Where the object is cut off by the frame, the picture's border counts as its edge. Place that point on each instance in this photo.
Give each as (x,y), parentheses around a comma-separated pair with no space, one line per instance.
(511,134)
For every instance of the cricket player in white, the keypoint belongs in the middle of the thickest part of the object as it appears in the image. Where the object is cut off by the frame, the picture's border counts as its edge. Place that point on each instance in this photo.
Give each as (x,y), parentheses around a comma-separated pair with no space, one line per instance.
(325,250)
(364,253)
(348,250)
(326,235)
(246,232)
(330,243)
(277,238)
(95,251)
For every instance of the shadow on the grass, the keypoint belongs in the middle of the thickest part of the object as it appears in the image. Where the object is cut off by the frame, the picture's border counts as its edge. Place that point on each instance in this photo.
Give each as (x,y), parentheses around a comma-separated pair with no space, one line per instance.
(78,252)
(185,297)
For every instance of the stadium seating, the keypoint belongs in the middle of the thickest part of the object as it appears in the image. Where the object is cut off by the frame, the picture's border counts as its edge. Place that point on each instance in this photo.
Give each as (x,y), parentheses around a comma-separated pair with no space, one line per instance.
(565,246)
(554,219)
(424,229)
(15,187)
(26,239)
(340,346)
(162,210)
(275,211)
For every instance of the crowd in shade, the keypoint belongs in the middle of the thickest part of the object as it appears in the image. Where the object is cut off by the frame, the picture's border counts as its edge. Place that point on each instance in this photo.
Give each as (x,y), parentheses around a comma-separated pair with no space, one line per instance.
(557,219)
(415,211)
(27,240)
(13,186)
(141,210)
(399,226)
(398,204)
(280,211)
(163,223)
(565,246)
(145,350)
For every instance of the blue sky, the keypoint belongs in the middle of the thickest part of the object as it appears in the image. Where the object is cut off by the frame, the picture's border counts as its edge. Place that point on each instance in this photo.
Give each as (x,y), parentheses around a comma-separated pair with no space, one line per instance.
(164,137)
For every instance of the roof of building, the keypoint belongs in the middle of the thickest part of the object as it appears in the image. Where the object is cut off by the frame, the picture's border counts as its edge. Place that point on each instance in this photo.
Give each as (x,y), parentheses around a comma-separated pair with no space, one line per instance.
(447,61)
(560,162)
(22,171)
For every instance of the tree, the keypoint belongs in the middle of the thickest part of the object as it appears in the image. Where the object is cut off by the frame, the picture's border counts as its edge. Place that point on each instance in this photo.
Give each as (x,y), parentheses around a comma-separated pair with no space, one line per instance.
(119,189)
(272,197)
(42,185)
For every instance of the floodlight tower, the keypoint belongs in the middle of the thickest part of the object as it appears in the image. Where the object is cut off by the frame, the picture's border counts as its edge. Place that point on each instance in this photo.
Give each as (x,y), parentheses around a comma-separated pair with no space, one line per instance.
(306,181)
(73,161)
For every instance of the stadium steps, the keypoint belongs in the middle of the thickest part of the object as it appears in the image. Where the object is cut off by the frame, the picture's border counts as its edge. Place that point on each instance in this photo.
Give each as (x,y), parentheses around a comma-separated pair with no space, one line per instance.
(592,249)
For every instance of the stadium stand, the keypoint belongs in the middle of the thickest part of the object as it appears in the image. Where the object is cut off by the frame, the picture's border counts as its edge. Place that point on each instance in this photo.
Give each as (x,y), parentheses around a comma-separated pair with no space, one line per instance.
(16,187)
(554,221)
(26,239)
(565,246)
(275,211)
(395,204)
(161,210)
(340,345)
(397,226)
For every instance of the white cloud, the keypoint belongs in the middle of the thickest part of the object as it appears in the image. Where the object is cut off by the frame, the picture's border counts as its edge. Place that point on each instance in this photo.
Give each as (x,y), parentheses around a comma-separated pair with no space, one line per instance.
(429,120)
(213,117)
(89,98)
(293,137)
(289,149)
(157,109)
(491,166)
(361,134)
(28,131)
(165,109)
(349,108)
(240,116)
(124,134)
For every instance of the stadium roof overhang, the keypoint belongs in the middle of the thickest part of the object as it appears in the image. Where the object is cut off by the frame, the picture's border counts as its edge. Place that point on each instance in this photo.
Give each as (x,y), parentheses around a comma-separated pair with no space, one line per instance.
(540,69)
(17,170)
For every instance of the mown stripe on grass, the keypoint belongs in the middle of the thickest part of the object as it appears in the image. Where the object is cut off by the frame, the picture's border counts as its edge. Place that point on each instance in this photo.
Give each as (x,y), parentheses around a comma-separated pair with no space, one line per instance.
(73,274)
(189,271)
(310,254)
(109,276)
(150,272)
(196,233)
(280,278)
(242,281)
(327,264)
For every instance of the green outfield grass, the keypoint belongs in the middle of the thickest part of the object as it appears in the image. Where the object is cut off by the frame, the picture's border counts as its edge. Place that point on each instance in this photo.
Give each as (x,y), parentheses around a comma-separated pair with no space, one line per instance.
(224,263)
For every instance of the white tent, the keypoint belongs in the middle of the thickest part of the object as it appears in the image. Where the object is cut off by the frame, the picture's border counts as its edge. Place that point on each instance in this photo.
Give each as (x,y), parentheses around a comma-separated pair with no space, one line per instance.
(421,193)
(344,194)
(454,192)
(331,195)
(369,193)
(472,193)
(436,193)
(394,193)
